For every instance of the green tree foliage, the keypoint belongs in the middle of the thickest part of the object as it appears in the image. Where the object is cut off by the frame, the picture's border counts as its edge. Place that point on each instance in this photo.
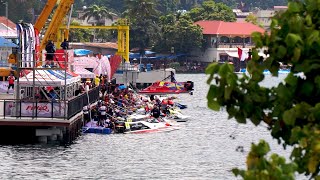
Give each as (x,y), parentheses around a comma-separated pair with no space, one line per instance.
(292,109)
(19,10)
(167,6)
(115,6)
(98,13)
(142,15)
(178,31)
(209,10)
(79,35)
(253,19)
(259,167)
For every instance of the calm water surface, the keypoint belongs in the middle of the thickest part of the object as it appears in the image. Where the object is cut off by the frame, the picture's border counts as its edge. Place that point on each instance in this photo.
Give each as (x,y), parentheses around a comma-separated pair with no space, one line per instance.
(201,149)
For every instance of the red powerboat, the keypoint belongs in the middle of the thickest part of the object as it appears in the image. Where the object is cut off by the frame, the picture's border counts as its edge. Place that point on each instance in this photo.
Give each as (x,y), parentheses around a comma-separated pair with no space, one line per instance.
(164,87)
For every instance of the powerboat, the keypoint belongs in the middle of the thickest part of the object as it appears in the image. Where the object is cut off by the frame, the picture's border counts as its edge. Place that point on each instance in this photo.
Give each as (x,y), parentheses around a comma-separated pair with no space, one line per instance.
(152,125)
(176,115)
(164,87)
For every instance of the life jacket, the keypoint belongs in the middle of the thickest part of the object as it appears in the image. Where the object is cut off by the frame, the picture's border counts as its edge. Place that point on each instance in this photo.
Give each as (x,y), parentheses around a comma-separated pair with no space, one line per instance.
(102,110)
(164,102)
(85,110)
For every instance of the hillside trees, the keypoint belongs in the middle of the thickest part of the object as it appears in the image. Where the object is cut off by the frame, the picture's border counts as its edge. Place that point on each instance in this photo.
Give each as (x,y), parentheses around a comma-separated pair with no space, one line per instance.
(98,13)
(209,10)
(178,31)
(79,35)
(142,15)
(291,110)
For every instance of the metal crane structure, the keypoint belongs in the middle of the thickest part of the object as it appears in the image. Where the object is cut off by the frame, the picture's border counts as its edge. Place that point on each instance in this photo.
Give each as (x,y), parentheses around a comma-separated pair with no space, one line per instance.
(123,35)
(57,32)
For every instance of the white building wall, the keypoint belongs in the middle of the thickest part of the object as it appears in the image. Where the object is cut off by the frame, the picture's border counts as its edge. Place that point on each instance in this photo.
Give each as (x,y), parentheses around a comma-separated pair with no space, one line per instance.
(213,54)
(210,55)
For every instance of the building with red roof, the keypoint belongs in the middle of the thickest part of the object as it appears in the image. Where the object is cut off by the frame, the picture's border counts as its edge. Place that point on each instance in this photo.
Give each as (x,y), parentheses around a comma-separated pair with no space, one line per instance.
(224,38)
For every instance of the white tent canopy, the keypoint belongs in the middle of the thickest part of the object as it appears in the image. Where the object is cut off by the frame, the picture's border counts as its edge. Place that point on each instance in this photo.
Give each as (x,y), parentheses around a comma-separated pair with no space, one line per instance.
(47,78)
(84,73)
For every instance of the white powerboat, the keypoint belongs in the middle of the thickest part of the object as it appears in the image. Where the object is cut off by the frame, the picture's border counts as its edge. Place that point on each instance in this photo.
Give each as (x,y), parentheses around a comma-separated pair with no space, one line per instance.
(177,116)
(153,125)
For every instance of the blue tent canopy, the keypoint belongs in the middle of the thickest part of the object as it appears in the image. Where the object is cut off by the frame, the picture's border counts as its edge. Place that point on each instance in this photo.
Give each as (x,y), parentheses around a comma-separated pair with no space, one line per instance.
(137,55)
(5,43)
(82,52)
(121,87)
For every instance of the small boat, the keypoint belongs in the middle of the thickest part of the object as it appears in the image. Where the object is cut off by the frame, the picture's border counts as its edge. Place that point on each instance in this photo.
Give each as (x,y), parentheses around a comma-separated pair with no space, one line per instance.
(138,117)
(163,87)
(177,116)
(148,126)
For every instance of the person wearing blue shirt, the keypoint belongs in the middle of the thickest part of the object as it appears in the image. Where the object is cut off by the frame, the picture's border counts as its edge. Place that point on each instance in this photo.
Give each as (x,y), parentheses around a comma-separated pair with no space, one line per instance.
(53,95)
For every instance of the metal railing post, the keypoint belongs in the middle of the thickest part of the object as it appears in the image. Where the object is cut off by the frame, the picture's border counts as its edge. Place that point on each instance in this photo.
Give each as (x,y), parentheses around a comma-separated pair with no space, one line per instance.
(4,109)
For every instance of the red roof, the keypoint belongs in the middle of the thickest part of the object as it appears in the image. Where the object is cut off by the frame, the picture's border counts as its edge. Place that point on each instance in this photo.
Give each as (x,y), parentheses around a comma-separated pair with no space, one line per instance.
(7,22)
(229,28)
(109,45)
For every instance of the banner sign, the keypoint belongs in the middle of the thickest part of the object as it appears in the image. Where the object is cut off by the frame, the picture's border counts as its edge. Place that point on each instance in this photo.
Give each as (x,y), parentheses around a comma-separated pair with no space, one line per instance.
(35,109)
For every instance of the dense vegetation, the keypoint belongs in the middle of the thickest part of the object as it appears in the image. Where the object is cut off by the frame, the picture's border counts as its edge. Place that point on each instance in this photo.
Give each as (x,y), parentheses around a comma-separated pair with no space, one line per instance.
(158,24)
(291,110)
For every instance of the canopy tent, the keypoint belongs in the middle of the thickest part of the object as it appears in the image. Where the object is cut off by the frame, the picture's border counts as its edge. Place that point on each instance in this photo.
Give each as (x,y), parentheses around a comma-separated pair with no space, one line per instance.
(48,78)
(85,62)
(84,73)
(103,67)
(82,52)
(137,55)
(5,43)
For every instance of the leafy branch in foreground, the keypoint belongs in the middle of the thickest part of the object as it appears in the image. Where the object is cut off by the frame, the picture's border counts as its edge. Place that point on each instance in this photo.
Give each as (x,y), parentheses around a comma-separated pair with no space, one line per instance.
(259,167)
(292,109)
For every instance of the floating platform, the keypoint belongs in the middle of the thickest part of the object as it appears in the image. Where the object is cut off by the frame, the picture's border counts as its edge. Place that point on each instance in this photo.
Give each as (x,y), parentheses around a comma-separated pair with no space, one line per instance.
(91,127)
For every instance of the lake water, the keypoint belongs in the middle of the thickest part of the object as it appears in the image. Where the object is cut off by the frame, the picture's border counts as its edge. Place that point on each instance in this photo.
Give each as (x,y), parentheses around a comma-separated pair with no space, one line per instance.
(201,149)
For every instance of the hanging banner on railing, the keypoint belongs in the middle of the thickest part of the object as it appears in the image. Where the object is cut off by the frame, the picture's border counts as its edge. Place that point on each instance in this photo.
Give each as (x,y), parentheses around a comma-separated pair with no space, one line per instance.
(35,110)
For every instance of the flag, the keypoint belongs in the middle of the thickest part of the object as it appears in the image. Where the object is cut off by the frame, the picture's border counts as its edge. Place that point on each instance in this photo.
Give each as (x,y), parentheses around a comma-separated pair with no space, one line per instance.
(242,55)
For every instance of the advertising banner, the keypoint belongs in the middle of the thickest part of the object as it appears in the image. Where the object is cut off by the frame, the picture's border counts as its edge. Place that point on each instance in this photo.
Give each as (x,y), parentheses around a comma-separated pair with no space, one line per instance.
(54,110)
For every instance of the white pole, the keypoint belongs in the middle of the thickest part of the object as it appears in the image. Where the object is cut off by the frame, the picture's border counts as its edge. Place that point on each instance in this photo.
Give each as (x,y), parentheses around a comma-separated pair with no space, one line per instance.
(89,107)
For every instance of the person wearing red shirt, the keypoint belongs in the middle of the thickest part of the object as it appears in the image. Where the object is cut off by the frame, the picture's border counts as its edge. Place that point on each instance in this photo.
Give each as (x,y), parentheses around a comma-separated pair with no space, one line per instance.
(11,79)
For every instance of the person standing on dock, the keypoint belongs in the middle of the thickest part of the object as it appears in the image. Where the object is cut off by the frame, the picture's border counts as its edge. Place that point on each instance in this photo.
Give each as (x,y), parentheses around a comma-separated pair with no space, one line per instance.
(86,115)
(103,114)
(65,44)
(51,49)
(11,79)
